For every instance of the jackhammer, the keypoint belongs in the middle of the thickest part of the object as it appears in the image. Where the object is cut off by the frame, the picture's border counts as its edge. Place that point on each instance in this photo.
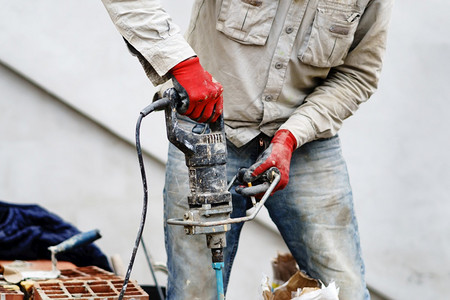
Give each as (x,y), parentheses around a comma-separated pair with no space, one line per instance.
(209,200)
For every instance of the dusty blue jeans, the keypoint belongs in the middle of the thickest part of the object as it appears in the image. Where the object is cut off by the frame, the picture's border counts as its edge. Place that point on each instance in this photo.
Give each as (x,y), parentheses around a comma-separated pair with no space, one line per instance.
(314,215)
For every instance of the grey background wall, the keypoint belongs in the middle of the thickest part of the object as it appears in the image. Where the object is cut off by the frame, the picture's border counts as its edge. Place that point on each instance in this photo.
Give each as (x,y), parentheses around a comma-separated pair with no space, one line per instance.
(70,94)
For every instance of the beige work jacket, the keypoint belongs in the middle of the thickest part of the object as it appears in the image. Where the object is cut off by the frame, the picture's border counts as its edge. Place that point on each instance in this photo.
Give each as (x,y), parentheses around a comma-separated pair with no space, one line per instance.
(301,65)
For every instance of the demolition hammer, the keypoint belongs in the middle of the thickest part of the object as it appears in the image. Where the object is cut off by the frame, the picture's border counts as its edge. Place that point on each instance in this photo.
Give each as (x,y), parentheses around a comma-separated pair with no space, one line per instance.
(209,200)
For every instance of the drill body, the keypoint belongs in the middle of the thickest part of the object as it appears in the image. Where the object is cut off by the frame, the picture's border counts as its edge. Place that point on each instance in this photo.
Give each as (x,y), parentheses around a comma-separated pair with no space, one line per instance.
(209,199)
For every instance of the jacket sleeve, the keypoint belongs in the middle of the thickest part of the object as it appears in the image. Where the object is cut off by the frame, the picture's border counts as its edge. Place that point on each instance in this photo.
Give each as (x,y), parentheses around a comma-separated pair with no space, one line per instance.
(348,85)
(150,34)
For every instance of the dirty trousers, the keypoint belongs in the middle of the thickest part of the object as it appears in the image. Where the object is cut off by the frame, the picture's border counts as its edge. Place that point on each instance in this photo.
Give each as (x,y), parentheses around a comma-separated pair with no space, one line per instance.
(314,215)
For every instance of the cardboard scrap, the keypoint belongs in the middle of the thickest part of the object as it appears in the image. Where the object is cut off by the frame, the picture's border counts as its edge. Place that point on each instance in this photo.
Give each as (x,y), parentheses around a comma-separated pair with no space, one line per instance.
(284,292)
(290,283)
(283,267)
(329,292)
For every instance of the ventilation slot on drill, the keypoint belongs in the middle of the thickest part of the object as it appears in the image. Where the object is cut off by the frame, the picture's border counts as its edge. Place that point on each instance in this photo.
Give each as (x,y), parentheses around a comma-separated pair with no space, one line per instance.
(213,138)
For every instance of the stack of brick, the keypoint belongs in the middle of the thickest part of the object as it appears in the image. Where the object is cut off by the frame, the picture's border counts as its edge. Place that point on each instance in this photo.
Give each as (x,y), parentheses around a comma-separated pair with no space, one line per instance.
(84,283)
(87,273)
(86,290)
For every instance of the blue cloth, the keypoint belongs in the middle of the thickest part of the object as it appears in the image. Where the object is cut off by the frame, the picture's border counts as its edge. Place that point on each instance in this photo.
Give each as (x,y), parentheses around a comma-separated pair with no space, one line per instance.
(27,230)
(314,215)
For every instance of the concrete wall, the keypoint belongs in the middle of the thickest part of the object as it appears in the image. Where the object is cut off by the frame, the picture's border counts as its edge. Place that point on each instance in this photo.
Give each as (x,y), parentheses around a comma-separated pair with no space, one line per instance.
(69,98)
(396,147)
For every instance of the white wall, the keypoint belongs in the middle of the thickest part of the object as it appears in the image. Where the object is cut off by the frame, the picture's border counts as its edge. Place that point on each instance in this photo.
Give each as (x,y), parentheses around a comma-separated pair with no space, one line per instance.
(396,145)
(55,157)
(397,150)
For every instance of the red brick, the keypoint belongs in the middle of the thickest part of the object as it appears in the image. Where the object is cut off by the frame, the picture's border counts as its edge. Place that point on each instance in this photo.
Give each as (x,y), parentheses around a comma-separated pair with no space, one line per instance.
(7,293)
(86,288)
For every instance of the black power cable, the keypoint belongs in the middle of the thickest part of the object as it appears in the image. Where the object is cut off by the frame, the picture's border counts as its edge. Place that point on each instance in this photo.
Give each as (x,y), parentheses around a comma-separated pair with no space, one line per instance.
(157,105)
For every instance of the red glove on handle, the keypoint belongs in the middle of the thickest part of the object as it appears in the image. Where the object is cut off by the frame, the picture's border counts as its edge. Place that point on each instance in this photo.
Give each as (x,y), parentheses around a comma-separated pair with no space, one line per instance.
(205,95)
(278,154)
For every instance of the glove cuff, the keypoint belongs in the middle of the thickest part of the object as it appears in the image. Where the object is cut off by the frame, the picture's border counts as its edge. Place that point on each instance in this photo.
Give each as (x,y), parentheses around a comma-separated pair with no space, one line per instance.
(285,137)
(190,63)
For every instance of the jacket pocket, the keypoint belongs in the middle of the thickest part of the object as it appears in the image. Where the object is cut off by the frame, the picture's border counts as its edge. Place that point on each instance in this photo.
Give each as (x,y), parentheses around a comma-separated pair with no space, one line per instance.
(247,21)
(331,35)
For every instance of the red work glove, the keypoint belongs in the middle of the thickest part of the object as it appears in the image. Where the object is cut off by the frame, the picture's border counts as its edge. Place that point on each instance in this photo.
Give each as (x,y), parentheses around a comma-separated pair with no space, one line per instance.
(278,154)
(205,95)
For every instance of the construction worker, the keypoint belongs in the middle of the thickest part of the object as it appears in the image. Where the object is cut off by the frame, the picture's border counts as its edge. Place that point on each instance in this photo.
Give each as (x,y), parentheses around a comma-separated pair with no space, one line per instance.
(291,72)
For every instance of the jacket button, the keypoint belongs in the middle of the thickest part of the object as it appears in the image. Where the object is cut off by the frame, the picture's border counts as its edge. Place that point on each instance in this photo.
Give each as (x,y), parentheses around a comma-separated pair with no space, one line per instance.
(278,65)
(268,98)
(289,29)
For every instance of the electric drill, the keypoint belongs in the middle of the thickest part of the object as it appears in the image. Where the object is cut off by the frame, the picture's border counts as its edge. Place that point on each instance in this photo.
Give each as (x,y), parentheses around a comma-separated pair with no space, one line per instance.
(209,200)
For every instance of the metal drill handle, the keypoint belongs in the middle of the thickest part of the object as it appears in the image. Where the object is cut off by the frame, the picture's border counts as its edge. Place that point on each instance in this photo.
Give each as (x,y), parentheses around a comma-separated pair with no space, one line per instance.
(258,206)
(183,97)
